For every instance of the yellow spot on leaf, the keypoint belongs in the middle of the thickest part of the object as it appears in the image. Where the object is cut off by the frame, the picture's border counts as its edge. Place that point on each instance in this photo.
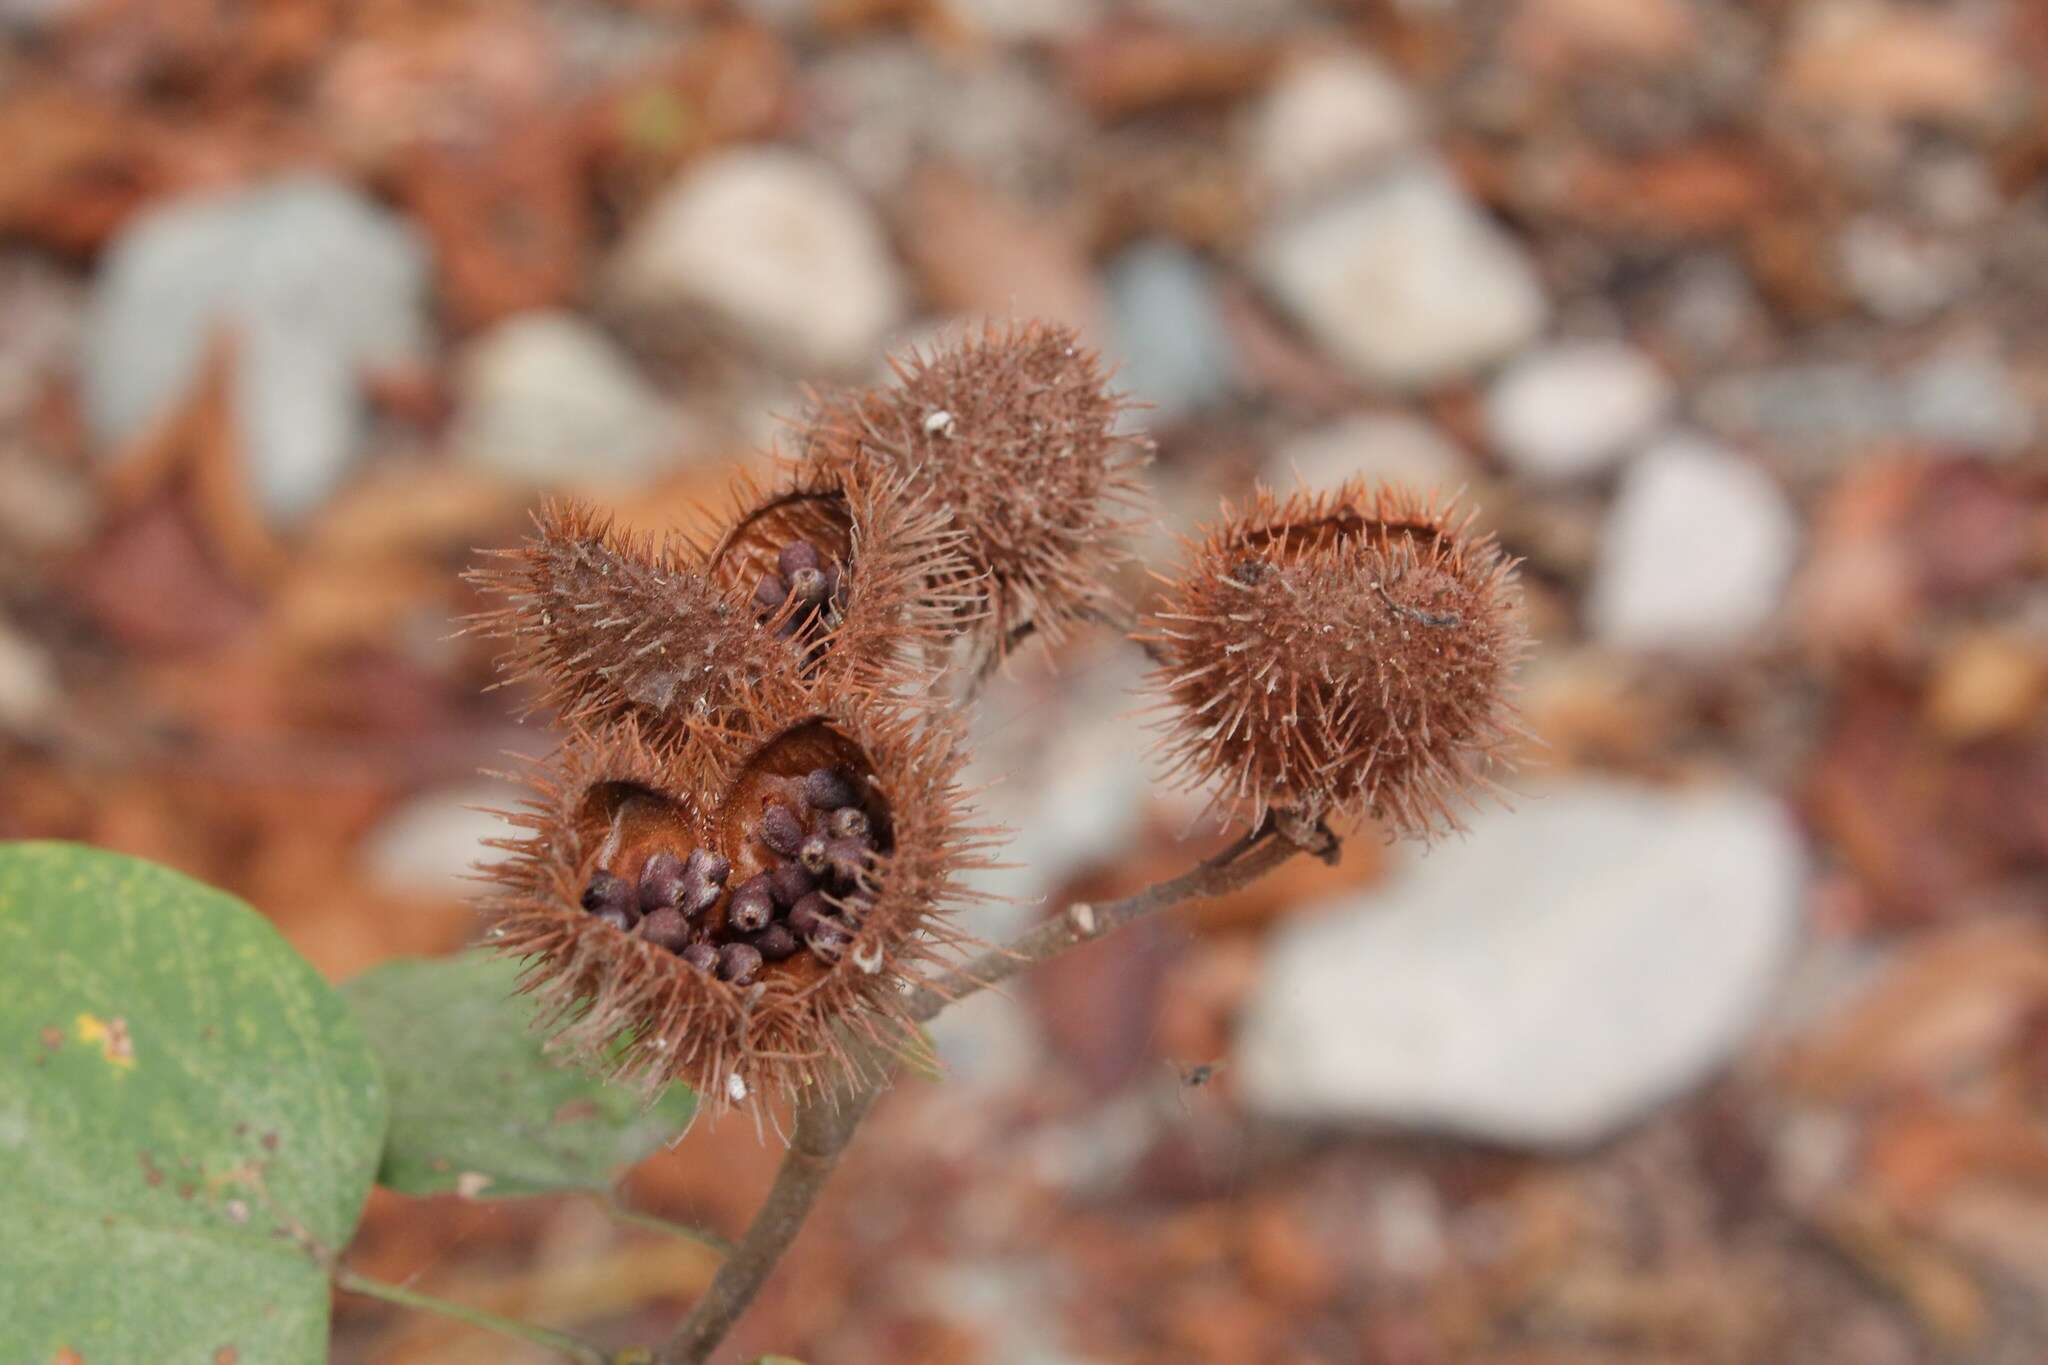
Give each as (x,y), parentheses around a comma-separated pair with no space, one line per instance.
(112,1036)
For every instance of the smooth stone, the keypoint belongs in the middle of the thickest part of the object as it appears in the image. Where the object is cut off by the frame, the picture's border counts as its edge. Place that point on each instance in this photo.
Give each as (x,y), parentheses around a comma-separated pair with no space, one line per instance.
(1329,117)
(1546,980)
(318,286)
(1573,409)
(429,845)
(1379,447)
(1403,281)
(1172,348)
(546,398)
(1694,553)
(773,242)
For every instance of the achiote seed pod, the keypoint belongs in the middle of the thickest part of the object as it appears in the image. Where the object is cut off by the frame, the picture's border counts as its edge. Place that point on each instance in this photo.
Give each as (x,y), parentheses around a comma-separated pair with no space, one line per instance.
(1015,430)
(1347,653)
(857,577)
(769,991)
(607,625)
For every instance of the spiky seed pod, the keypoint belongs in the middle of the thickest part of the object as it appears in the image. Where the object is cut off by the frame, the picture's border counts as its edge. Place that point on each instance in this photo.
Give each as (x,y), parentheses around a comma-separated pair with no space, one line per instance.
(1342,653)
(812,994)
(608,625)
(1016,431)
(858,576)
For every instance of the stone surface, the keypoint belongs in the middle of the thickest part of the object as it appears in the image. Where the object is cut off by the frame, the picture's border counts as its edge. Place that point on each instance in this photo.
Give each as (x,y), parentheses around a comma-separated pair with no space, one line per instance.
(426,846)
(1545,980)
(1058,762)
(1403,281)
(1383,447)
(1695,552)
(1329,117)
(317,284)
(1575,408)
(774,243)
(1171,347)
(547,398)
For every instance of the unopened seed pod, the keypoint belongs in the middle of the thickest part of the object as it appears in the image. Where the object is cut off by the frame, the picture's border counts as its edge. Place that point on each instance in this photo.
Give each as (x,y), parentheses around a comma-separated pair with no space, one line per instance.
(1017,429)
(1348,653)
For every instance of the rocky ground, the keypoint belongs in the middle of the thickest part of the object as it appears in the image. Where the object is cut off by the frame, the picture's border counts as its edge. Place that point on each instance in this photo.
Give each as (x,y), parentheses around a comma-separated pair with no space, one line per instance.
(1730,1044)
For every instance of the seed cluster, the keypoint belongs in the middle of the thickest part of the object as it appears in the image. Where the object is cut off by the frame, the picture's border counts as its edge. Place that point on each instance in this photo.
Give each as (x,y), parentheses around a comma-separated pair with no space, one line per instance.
(807,584)
(814,842)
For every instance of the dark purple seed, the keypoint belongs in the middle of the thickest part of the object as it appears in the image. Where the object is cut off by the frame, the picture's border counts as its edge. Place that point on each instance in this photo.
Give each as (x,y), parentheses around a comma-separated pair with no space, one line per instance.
(770,592)
(847,858)
(812,854)
(712,867)
(807,586)
(660,880)
(618,918)
(701,955)
(829,938)
(825,789)
(805,914)
(796,557)
(775,943)
(851,822)
(607,892)
(666,928)
(789,883)
(781,830)
(751,909)
(856,907)
(697,896)
(737,962)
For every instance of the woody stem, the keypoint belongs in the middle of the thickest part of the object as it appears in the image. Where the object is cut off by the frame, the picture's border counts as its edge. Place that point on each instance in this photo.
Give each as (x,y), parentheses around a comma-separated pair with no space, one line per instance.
(826,1125)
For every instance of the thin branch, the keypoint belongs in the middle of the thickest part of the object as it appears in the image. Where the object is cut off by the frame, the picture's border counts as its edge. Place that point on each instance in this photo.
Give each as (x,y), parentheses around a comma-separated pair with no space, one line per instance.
(570,1348)
(654,1222)
(824,1126)
(1243,863)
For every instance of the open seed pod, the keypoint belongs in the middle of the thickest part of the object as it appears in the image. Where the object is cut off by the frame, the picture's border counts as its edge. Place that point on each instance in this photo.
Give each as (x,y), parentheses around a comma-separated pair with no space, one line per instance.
(857,574)
(1015,431)
(1343,653)
(609,625)
(742,915)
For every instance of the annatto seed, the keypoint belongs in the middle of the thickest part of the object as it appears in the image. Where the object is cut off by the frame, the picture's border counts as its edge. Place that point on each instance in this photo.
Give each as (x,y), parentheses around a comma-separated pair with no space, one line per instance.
(666,928)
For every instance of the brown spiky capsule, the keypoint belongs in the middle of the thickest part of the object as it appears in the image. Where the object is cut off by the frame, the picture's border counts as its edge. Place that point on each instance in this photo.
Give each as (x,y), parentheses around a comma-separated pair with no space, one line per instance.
(606,625)
(859,576)
(1016,431)
(1343,653)
(791,977)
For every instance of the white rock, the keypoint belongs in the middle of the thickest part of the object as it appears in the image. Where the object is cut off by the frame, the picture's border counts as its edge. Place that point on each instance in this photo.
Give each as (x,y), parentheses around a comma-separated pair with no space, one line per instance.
(316,283)
(547,398)
(1022,21)
(1058,763)
(1548,979)
(1695,552)
(1328,117)
(774,243)
(1403,281)
(426,847)
(1383,447)
(29,691)
(1575,408)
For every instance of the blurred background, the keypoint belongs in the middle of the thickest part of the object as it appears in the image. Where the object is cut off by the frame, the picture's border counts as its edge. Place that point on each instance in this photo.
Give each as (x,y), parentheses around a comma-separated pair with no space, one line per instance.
(1729,316)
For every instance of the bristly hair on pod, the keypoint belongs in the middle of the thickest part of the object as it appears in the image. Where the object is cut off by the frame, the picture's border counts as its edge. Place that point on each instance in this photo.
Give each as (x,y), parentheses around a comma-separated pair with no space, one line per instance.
(859,574)
(1347,653)
(746,914)
(606,624)
(1015,430)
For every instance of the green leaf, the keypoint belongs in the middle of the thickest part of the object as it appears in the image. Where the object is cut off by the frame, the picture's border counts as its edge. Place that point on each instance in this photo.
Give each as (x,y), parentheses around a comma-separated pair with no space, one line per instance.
(189,1120)
(476,1104)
